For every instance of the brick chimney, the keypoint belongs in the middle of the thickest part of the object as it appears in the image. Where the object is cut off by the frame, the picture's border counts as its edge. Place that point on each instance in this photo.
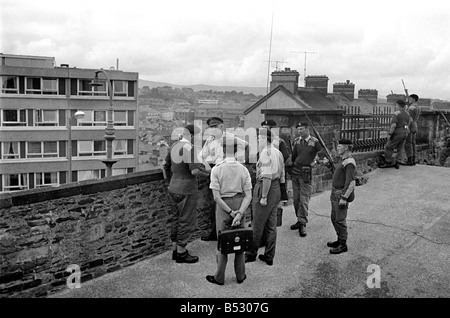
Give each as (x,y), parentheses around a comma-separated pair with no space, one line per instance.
(318,82)
(288,78)
(347,88)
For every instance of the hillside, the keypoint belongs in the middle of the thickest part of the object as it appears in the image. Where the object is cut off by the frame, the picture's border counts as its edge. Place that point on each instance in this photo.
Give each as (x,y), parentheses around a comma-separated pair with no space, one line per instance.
(258,91)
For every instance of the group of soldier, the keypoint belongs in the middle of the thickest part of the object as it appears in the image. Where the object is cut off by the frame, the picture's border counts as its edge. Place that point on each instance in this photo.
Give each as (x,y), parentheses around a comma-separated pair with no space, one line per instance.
(402,136)
(238,185)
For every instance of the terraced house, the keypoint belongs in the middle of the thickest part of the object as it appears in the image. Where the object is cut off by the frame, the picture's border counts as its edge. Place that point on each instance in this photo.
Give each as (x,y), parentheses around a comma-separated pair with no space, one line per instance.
(52,122)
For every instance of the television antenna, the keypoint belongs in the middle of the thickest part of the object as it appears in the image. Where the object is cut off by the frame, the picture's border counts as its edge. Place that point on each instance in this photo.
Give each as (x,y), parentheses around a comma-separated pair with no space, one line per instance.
(304,52)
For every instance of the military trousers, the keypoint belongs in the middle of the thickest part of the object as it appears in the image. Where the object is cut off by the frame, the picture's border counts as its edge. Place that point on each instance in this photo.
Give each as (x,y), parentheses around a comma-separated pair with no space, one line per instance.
(183,217)
(397,142)
(339,215)
(301,194)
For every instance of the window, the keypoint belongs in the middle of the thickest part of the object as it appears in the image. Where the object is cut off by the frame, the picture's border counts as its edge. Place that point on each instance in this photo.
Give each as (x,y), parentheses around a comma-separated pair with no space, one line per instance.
(88,175)
(46,117)
(116,172)
(93,118)
(42,149)
(46,179)
(88,148)
(120,147)
(85,88)
(120,88)
(33,85)
(10,150)
(120,118)
(9,85)
(15,182)
(14,117)
(50,86)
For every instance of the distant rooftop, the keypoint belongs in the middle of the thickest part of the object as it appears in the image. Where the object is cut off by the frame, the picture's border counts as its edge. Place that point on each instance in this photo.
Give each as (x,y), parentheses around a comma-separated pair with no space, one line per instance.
(27,60)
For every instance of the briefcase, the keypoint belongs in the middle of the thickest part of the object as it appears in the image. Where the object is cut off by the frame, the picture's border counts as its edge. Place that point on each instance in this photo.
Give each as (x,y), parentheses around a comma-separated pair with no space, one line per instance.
(235,240)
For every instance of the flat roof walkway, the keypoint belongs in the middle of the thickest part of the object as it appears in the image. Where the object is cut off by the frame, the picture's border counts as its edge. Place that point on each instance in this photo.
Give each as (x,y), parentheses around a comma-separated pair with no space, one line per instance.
(399,222)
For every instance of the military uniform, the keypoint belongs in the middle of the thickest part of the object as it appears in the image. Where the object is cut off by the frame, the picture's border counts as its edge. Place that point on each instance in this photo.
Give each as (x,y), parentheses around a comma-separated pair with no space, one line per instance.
(410,143)
(398,138)
(183,189)
(342,192)
(303,156)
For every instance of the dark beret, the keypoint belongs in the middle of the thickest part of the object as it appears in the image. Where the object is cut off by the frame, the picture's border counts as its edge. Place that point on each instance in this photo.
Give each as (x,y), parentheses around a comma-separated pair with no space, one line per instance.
(414,96)
(271,123)
(303,124)
(214,121)
(345,142)
(401,103)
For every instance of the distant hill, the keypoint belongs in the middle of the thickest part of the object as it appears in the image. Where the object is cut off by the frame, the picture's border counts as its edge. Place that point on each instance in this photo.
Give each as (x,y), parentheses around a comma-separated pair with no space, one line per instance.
(258,91)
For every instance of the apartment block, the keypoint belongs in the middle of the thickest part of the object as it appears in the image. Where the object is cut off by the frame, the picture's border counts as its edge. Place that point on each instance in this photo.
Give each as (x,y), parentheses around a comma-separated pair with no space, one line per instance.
(42,143)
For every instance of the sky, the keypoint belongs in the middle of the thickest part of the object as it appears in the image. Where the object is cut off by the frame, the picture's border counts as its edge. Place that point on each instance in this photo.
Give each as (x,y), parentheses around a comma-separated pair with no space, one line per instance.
(374,44)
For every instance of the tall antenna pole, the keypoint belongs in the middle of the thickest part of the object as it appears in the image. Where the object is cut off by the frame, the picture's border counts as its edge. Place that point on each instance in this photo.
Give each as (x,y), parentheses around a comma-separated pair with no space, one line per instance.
(304,69)
(270,50)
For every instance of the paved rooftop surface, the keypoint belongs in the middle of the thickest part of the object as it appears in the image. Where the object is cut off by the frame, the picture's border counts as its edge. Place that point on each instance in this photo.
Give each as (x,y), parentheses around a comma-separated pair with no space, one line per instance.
(399,221)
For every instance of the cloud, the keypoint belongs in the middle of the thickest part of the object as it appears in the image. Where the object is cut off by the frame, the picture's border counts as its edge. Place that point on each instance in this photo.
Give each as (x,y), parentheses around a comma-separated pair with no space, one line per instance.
(374,44)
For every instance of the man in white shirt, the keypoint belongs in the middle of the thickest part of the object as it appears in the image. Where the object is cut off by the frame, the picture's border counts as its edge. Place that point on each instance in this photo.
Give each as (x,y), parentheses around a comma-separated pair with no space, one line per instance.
(212,154)
(266,196)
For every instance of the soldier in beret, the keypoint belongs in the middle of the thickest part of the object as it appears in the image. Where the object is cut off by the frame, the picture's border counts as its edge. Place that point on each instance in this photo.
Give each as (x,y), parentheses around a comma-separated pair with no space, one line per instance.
(342,192)
(306,152)
(398,132)
(182,167)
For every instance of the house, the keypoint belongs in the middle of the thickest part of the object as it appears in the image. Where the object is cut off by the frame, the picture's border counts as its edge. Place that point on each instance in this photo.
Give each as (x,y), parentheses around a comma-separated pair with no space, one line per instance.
(287,95)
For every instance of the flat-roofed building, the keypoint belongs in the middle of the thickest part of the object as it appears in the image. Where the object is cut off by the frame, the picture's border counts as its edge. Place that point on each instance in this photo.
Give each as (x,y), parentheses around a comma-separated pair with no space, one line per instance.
(42,143)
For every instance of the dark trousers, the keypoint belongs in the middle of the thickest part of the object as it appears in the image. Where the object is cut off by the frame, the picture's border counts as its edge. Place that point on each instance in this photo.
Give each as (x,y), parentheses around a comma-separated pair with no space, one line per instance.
(410,146)
(396,142)
(212,211)
(265,219)
(302,193)
(339,216)
(183,217)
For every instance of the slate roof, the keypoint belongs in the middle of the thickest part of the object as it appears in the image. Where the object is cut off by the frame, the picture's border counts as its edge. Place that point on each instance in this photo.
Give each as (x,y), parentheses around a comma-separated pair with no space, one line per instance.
(308,98)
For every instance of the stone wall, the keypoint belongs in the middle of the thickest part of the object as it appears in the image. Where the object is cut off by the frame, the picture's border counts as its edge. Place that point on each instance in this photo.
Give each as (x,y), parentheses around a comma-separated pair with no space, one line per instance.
(99,225)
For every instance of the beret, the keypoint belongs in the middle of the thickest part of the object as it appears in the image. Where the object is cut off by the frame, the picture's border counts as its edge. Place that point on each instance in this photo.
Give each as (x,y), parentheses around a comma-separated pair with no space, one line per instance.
(271,123)
(303,124)
(401,103)
(214,121)
(414,96)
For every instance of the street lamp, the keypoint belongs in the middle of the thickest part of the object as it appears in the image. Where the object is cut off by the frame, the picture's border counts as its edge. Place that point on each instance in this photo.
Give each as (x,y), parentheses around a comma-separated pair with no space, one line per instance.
(78,115)
(109,131)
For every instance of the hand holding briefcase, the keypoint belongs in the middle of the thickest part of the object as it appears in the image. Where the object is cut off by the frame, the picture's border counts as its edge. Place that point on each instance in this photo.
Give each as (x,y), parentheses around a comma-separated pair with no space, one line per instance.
(236,239)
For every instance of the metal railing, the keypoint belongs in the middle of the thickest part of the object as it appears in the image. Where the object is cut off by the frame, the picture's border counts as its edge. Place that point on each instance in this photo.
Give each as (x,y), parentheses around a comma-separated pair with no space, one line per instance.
(368,132)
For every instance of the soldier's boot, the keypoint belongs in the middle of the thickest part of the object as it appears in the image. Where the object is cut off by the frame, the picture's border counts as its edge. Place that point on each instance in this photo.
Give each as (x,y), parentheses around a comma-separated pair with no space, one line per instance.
(410,161)
(386,164)
(341,248)
(333,244)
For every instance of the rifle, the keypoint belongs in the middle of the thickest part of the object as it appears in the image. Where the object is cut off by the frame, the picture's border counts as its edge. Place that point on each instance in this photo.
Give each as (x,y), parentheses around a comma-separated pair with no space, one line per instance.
(406,93)
(327,152)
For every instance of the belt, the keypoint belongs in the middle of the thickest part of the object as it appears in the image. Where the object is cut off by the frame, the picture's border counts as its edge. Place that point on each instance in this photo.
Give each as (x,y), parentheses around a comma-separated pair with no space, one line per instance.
(260,180)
